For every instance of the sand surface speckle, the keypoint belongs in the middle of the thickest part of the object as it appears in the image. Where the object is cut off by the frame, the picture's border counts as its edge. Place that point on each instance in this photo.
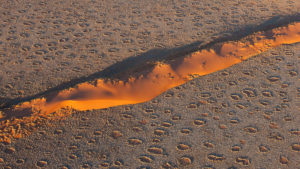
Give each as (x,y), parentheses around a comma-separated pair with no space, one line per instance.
(245,116)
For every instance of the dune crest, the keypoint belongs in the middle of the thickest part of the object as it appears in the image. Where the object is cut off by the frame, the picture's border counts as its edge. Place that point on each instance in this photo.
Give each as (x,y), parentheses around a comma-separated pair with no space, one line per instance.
(108,93)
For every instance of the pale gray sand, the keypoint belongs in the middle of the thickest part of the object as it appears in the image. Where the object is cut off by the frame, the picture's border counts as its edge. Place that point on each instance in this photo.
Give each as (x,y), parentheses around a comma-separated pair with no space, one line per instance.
(233,118)
(244,117)
(43,44)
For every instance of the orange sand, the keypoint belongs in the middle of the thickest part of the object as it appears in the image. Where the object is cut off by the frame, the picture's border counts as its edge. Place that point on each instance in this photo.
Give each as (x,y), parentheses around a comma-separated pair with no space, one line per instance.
(163,76)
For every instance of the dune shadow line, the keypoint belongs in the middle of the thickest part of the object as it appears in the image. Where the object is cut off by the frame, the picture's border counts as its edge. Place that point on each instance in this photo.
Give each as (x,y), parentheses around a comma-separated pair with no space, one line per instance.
(127,67)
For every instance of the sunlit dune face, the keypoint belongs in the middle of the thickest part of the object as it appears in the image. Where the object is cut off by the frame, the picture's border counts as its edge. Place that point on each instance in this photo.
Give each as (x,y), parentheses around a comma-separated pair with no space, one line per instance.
(108,93)
(111,93)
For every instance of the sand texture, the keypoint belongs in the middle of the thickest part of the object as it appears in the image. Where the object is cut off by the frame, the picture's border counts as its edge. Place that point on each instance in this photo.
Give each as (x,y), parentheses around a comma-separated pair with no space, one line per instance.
(245,116)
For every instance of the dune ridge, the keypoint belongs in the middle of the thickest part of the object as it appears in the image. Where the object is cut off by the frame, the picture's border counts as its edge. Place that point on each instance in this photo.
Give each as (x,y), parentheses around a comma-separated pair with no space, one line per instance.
(108,93)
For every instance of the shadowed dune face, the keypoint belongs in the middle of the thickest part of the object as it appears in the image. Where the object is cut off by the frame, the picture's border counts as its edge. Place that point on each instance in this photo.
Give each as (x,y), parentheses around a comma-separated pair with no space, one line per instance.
(108,93)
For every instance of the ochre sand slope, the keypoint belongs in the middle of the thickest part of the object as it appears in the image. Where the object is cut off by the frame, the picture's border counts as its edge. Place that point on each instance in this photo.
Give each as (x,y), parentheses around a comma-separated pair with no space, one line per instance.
(107,93)
(165,76)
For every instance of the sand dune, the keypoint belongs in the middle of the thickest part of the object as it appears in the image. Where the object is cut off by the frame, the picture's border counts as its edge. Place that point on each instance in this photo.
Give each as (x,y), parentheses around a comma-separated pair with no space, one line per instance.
(163,76)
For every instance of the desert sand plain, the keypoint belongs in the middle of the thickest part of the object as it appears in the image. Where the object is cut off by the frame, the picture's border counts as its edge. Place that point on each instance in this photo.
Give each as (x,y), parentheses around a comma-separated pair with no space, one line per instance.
(245,116)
